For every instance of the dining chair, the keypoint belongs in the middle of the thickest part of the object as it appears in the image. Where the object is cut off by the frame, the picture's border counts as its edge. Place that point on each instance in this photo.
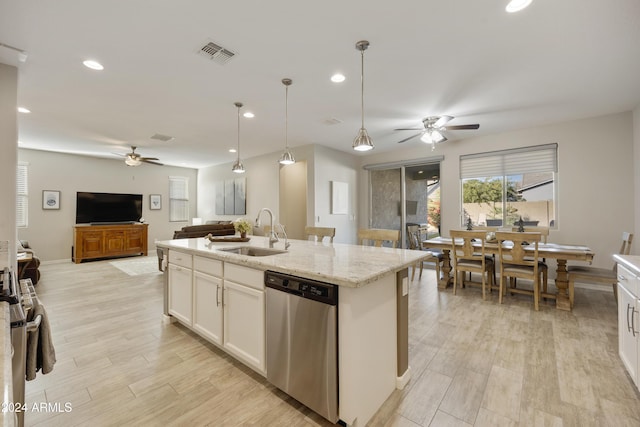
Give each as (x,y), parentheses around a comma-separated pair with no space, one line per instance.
(470,258)
(515,262)
(596,275)
(376,236)
(415,234)
(544,231)
(319,233)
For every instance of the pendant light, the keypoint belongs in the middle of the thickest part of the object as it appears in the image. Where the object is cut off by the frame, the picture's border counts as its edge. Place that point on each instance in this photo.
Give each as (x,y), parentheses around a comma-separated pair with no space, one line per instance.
(287,157)
(238,167)
(362,141)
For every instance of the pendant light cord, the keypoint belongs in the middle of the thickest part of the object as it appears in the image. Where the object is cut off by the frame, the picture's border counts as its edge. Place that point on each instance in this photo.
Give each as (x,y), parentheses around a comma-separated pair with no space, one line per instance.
(286,117)
(238,133)
(362,85)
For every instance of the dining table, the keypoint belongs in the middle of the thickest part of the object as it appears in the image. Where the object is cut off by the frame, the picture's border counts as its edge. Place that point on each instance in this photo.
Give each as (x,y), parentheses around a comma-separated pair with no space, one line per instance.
(560,252)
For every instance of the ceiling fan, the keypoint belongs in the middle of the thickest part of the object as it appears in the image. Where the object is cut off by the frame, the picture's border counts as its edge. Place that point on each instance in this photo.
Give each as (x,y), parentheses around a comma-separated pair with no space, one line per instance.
(135,159)
(433,127)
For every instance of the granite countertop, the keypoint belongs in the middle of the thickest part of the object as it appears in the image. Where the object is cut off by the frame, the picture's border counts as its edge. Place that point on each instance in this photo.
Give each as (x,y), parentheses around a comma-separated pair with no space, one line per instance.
(338,263)
(632,262)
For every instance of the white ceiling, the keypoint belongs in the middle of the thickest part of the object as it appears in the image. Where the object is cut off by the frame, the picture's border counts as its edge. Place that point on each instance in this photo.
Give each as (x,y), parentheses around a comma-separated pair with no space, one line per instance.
(553,62)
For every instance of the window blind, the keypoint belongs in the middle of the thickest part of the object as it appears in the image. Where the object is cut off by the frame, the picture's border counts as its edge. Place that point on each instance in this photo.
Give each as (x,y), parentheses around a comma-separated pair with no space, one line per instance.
(535,159)
(178,198)
(22,195)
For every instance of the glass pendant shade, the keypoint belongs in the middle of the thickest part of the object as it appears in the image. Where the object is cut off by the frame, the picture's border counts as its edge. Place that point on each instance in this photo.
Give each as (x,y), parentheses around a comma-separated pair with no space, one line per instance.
(287,158)
(238,167)
(362,142)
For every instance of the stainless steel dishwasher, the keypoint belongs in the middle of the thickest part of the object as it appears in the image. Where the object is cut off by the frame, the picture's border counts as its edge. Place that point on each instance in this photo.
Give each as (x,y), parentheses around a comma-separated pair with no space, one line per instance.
(302,341)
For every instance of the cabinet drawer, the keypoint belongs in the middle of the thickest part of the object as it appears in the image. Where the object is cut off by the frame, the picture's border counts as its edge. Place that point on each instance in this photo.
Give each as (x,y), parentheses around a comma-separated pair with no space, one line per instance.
(629,280)
(244,275)
(207,265)
(180,258)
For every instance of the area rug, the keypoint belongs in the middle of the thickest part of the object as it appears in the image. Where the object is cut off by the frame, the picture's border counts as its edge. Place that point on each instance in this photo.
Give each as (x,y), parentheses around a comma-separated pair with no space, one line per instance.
(137,265)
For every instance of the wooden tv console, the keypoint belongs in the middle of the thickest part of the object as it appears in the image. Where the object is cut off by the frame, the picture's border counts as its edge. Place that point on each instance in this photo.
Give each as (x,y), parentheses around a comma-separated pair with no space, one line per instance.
(108,241)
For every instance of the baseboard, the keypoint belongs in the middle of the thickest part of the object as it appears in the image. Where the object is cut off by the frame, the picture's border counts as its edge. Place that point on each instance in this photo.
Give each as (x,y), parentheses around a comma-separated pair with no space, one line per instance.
(56,261)
(403,380)
(167,320)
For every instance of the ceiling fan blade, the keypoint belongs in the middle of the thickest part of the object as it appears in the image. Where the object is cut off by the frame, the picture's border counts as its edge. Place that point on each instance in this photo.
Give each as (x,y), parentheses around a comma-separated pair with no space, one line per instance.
(409,129)
(149,158)
(411,137)
(146,160)
(462,127)
(442,121)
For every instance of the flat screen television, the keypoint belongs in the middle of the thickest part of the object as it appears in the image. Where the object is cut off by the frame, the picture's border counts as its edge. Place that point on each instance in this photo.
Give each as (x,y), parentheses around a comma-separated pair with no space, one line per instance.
(95,208)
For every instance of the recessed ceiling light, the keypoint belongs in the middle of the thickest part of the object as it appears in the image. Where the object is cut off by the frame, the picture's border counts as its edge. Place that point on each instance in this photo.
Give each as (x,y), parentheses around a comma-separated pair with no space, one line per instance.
(249,115)
(517,5)
(232,150)
(94,65)
(337,78)
(420,171)
(23,110)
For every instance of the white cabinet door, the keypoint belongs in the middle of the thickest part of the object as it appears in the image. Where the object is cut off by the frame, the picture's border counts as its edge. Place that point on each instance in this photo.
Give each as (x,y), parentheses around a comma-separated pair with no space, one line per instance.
(207,306)
(244,324)
(180,293)
(628,331)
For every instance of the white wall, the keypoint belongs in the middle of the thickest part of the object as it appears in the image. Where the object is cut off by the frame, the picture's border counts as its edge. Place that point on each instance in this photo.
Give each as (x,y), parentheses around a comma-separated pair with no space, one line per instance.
(333,165)
(323,166)
(596,175)
(50,232)
(9,144)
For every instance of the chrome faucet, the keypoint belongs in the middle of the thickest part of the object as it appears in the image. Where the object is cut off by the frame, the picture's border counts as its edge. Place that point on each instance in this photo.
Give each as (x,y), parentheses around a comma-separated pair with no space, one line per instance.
(286,239)
(273,237)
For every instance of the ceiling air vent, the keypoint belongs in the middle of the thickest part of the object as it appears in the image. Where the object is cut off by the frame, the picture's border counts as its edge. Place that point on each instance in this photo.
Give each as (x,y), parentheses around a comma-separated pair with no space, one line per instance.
(216,53)
(160,137)
(332,121)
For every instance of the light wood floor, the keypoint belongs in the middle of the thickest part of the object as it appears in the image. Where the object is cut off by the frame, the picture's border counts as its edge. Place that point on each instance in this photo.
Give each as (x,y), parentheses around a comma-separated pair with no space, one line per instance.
(474,362)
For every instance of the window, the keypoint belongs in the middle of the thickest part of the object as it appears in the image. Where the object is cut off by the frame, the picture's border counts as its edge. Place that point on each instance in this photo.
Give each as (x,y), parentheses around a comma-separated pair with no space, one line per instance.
(500,187)
(178,198)
(22,195)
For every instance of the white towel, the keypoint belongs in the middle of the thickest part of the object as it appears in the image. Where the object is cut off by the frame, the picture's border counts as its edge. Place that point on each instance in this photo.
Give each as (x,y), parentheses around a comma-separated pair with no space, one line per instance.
(40,351)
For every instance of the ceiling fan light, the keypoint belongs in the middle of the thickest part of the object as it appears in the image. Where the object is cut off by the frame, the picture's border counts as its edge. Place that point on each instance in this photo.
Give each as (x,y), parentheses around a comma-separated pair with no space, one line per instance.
(426,138)
(130,161)
(517,5)
(362,141)
(287,158)
(437,137)
(238,167)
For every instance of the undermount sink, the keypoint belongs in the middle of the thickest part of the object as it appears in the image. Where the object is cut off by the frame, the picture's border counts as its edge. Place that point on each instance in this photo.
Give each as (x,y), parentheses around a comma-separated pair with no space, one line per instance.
(251,251)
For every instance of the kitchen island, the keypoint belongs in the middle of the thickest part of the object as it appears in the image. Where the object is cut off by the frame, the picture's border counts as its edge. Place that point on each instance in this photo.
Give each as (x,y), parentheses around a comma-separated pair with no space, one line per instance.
(220,295)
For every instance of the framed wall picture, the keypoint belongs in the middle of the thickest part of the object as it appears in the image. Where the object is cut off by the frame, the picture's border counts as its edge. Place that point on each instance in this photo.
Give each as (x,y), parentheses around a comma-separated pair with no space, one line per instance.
(155,202)
(50,199)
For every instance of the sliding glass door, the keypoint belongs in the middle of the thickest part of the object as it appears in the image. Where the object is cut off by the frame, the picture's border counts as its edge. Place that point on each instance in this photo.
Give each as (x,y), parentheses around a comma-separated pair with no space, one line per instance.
(404,195)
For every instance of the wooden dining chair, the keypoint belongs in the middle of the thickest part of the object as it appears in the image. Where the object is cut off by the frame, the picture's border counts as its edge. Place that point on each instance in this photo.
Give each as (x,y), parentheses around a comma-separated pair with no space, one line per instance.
(437,256)
(596,275)
(544,231)
(415,234)
(515,262)
(319,233)
(470,258)
(376,237)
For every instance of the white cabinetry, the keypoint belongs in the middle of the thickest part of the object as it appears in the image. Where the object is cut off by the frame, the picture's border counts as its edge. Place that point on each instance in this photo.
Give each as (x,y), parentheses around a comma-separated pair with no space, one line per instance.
(180,288)
(207,298)
(222,302)
(244,314)
(628,320)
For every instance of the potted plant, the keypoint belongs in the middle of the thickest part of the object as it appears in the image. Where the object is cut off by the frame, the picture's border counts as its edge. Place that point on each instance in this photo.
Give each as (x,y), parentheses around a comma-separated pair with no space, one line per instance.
(242,225)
